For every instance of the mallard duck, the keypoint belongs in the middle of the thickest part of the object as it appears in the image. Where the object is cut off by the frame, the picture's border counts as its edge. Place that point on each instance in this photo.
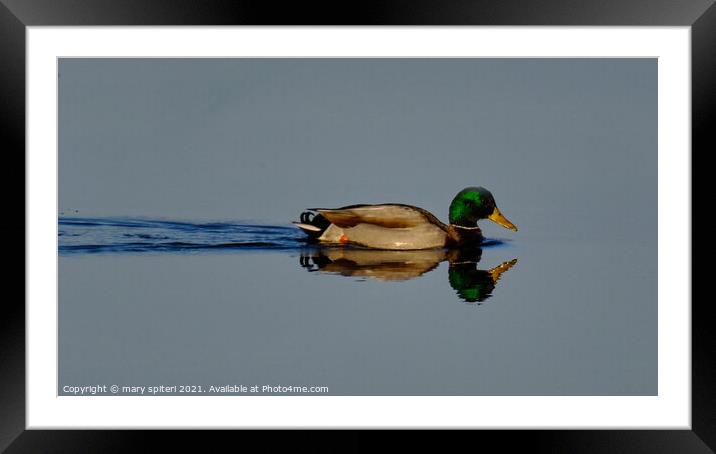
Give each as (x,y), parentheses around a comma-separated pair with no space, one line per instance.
(404,227)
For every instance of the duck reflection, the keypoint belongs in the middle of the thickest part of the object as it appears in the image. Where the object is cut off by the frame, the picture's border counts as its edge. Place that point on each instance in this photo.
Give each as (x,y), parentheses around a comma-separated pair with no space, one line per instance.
(471,284)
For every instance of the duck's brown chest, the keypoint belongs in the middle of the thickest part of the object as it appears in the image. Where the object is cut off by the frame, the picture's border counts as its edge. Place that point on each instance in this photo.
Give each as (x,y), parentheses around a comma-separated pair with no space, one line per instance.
(463,236)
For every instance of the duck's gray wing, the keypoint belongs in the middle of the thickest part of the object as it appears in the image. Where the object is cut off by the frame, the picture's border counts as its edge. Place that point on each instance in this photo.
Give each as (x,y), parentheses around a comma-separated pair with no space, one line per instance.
(389,215)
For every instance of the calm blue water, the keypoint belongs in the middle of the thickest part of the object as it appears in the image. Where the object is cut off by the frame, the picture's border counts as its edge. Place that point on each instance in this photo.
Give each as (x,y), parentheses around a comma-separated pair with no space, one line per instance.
(146,302)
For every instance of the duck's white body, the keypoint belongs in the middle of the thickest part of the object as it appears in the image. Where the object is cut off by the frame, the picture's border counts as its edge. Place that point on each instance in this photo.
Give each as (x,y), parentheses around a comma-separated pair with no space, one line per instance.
(384,226)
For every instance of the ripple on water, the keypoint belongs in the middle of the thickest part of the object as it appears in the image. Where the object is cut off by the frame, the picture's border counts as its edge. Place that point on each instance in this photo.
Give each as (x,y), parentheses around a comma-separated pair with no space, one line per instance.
(79,235)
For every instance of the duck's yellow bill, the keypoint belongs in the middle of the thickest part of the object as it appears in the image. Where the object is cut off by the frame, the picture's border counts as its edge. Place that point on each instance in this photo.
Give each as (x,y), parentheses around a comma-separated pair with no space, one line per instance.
(496,216)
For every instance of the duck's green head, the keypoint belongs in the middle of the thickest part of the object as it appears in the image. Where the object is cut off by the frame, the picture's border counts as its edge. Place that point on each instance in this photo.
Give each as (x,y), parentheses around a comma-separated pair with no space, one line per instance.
(475,203)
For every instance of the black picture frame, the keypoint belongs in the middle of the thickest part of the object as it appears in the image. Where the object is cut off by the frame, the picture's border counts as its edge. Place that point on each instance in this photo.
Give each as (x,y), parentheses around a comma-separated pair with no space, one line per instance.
(16,15)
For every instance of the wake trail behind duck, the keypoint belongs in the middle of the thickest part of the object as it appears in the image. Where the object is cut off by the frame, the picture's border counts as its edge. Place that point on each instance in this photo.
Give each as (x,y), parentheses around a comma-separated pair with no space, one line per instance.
(94,235)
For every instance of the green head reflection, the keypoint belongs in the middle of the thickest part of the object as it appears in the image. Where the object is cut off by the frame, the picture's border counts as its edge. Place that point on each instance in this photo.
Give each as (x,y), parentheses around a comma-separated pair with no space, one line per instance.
(474,285)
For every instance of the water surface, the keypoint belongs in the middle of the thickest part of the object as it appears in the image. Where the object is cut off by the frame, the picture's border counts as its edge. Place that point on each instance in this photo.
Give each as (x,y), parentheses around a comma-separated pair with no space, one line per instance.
(147,302)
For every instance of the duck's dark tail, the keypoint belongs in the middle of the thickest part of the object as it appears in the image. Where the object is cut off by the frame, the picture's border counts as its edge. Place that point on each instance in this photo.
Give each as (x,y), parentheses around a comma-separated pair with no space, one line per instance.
(312,224)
